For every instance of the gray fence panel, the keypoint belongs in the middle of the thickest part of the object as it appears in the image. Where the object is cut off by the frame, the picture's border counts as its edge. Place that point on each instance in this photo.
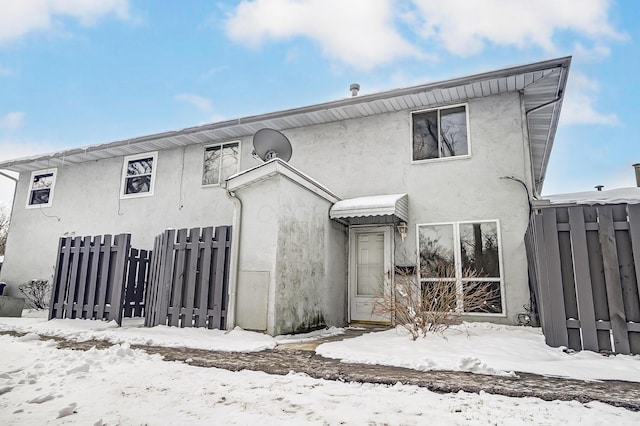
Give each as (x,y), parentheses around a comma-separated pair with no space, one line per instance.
(586,312)
(612,281)
(90,278)
(190,275)
(588,260)
(554,272)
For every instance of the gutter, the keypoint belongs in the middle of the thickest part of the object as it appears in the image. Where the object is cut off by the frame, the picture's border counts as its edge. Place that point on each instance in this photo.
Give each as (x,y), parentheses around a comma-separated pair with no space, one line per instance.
(564,69)
(233,261)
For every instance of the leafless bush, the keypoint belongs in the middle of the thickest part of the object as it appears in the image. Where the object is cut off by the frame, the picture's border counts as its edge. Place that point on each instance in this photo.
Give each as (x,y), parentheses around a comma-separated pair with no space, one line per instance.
(434,306)
(37,292)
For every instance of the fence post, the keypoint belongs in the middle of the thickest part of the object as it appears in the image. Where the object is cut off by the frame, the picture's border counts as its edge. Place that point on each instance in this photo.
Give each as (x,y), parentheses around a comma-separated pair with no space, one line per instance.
(123,244)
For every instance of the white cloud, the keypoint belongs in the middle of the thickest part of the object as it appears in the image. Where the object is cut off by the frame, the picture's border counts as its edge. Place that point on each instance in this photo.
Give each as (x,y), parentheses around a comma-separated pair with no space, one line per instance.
(5,71)
(21,17)
(579,107)
(203,105)
(200,103)
(12,121)
(594,53)
(465,27)
(360,33)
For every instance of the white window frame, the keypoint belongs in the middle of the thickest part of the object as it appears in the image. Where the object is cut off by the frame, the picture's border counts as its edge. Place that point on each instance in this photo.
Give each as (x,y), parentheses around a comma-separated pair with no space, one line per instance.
(438,109)
(220,180)
(457,255)
(125,165)
(54,171)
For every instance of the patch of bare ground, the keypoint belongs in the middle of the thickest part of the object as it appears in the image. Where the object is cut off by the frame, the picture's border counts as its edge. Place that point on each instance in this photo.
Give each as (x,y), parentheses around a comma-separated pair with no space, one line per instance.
(292,359)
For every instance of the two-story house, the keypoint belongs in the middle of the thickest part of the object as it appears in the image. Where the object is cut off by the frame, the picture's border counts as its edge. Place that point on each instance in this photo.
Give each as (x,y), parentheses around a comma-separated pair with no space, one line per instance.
(396,178)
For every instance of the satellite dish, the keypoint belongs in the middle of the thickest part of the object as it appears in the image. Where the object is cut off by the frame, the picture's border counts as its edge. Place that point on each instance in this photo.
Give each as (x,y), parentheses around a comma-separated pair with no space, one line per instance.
(269,144)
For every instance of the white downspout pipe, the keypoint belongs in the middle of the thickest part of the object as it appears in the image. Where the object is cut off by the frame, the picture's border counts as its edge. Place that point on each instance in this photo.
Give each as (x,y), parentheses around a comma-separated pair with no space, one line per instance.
(233,261)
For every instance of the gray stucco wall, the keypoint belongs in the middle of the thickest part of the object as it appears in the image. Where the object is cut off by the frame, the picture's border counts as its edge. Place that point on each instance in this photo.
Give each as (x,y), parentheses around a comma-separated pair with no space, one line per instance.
(292,260)
(352,158)
(311,263)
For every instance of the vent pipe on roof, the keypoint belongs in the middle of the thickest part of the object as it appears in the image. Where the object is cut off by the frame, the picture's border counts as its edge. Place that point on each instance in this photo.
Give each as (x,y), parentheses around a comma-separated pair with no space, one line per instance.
(637,167)
(599,187)
(355,87)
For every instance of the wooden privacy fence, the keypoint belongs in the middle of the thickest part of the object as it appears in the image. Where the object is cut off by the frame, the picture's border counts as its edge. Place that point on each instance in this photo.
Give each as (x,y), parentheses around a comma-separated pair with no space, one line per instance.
(188,278)
(584,264)
(98,277)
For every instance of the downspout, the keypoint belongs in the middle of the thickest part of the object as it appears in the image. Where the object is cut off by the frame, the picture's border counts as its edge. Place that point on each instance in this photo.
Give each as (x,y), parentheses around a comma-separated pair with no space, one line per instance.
(558,98)
(233,262)
(15,187)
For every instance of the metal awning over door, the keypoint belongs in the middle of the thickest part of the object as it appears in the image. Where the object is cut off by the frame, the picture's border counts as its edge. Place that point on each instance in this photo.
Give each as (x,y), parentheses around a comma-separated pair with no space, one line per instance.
(374,209)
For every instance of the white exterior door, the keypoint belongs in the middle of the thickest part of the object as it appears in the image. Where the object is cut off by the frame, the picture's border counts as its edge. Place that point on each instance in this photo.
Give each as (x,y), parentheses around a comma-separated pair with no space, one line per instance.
(370,271)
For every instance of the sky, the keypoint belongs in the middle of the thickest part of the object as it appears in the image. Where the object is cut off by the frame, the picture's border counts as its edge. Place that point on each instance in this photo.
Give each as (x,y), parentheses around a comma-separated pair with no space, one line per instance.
(81,72)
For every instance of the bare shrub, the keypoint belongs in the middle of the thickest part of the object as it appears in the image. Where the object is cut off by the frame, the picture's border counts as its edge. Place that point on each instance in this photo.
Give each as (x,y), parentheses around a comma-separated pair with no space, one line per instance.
(434,306)
(37,292)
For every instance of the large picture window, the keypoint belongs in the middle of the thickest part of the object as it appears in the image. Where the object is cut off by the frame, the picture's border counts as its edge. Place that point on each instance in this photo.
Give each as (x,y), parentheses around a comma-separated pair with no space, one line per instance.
(440,133)
(465,255)
(41,188)
(138,175)
(220,162)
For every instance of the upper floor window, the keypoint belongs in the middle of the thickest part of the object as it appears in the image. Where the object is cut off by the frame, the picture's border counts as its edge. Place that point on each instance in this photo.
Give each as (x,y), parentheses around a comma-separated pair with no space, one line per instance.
(463,258)
(41,188)
(138,175)
(440,133)
(220,162)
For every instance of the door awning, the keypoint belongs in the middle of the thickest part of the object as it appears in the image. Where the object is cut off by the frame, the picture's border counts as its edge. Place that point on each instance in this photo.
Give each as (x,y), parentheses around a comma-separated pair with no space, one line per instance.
(372,209)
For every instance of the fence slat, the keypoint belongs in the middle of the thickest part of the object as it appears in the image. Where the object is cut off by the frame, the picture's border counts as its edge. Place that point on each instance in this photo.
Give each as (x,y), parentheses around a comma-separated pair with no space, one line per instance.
(132,270)
(92,284)
(586,312)
(57,286)
(123,244)
(101,291)
(141,282)
(73,279)
(205,275)
(544,306)
(612,281)
(178,278)
(192,249)
(219,245)
(556,302)
(82,281)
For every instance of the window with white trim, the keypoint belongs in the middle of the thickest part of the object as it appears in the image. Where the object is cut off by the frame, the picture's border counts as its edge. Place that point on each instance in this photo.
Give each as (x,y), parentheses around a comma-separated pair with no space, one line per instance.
(220,162)
(440,133)
(138,175)
(41,188)
(466,255)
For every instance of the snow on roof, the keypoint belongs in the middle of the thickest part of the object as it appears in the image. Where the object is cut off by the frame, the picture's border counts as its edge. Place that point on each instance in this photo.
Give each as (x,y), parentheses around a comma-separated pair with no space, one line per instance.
(611,196)
(374,205)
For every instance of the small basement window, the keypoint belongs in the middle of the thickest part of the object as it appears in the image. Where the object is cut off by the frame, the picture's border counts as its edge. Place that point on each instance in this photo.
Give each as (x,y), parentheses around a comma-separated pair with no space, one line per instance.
(41,188)
(138,175)
(220,162)
(440,133)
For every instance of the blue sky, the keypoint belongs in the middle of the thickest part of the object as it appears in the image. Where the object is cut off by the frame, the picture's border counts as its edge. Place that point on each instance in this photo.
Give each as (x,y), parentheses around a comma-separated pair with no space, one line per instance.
(81,72)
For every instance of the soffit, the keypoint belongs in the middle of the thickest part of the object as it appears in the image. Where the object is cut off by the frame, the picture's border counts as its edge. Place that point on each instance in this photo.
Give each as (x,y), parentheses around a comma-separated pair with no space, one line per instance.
(539,82)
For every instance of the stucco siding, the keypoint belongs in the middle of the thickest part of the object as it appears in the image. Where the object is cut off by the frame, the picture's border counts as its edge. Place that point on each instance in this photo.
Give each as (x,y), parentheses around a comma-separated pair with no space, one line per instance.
(359,157)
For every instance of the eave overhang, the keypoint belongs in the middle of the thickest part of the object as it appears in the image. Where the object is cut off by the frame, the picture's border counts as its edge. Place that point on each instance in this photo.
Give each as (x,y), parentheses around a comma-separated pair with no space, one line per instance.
(540,83)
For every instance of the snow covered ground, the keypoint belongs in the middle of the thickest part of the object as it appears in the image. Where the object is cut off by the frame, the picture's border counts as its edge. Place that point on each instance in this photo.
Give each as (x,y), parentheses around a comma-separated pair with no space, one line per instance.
(39,382)
(482,348)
